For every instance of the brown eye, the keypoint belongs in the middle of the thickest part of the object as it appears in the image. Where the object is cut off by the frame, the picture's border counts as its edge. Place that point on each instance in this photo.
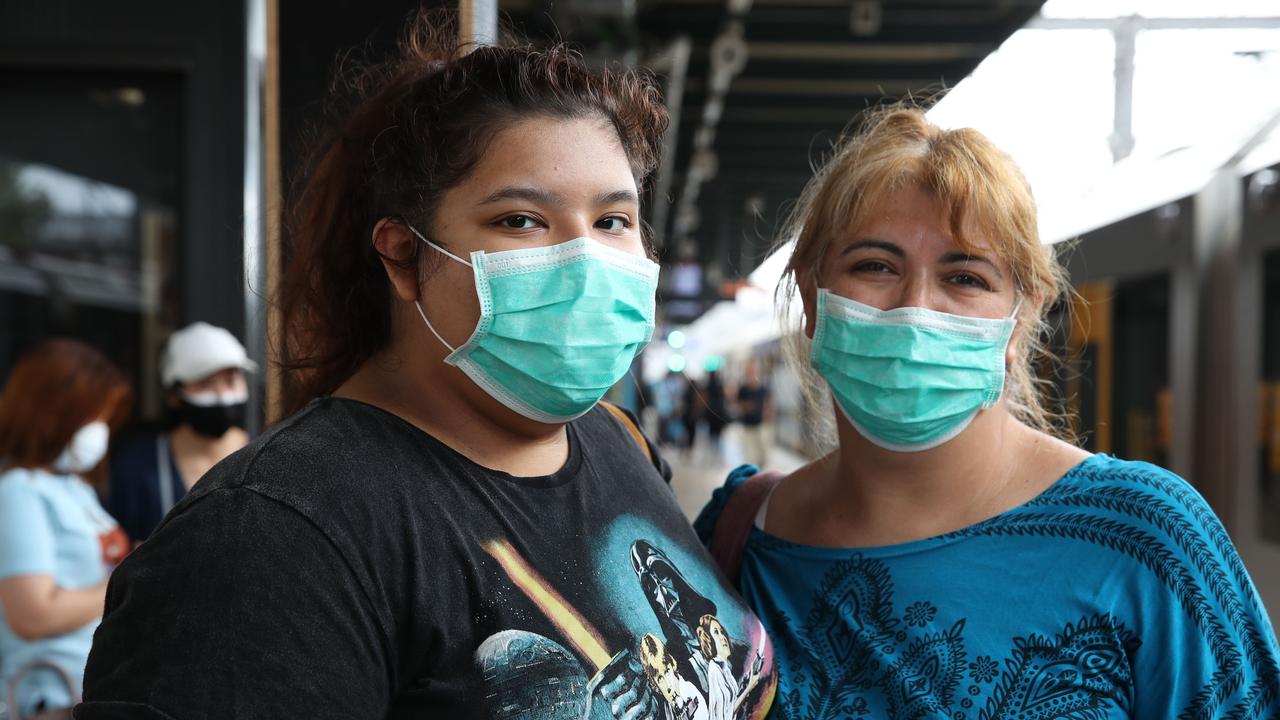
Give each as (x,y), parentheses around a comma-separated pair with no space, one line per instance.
(968,280)
(613,223)
(518,222)
(872,266)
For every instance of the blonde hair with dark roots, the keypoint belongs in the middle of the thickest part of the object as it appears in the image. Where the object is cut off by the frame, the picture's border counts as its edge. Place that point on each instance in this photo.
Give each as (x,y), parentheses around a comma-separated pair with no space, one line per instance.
(978,186)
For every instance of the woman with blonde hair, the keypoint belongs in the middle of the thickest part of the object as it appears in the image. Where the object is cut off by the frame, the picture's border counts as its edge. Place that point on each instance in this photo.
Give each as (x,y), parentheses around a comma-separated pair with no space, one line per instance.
(954,555)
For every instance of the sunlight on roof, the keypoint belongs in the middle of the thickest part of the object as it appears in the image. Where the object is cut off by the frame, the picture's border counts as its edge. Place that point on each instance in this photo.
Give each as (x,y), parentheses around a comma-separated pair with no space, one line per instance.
(1158,8)
(1047,97)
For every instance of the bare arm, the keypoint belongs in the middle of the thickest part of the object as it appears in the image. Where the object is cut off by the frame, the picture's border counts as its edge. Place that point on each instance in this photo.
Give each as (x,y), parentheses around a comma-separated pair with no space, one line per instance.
(748,683)
(35,607)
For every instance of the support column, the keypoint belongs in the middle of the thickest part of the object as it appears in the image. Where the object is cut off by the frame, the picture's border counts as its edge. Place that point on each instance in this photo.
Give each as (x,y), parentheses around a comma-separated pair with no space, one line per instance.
(478,21)
(256,292)
(1219,358)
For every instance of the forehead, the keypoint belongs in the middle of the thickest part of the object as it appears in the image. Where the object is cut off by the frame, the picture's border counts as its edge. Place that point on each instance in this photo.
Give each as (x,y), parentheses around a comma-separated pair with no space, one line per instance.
(915,219)
(223,375)
(572,157)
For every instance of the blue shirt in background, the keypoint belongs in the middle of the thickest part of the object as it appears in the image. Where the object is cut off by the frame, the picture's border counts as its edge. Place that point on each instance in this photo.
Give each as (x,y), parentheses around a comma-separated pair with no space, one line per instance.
(1114,594)
(52,525)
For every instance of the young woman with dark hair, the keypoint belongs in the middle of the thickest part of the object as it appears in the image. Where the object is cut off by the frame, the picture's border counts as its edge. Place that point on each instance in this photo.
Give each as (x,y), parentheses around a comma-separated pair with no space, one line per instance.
(57,544)
(450,525)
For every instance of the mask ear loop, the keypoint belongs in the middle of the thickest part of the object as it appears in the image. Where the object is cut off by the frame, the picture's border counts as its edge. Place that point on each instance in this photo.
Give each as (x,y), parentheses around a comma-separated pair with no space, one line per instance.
(419,305)
(437,247)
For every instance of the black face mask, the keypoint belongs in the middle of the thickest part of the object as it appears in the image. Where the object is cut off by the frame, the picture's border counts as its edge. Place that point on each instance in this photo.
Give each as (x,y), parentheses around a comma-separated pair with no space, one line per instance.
(211,421)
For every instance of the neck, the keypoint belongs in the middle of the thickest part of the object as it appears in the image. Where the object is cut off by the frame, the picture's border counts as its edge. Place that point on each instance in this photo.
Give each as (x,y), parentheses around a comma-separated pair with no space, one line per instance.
(416,385)
(897,496)
(189,442)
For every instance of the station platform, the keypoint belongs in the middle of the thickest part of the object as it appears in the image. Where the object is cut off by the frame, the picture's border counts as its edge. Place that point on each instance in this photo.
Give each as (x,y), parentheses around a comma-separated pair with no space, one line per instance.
(696,473)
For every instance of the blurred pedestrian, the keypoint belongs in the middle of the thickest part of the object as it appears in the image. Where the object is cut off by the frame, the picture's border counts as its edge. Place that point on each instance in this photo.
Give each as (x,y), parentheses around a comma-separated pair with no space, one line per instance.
(57,544)
(203,371)
(717,413)
(691,411)
(755,410)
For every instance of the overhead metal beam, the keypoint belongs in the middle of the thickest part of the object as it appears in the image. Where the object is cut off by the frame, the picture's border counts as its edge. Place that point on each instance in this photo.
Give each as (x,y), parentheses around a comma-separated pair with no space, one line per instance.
(779,115)
(1126,41)
(728,56)
(1125,30)
(795,86)
(675,63)
(478,21)
(869,52)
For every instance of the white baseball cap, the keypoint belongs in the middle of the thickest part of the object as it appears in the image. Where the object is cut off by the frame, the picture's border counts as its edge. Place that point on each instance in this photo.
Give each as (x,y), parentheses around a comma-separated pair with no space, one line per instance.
(199,350)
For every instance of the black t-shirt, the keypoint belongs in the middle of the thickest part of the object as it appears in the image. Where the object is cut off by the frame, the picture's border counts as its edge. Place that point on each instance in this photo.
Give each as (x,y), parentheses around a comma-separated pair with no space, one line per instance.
(347,565)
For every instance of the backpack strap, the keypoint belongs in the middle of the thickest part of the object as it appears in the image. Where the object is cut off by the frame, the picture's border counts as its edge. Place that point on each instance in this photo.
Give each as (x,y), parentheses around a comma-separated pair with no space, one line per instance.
(631,427)
(729,538)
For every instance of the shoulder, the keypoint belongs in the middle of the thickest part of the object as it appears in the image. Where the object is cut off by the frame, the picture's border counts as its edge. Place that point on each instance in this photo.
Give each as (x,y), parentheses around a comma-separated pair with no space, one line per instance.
(1138,491)
(605,422)
(325,438)
(614,433)
(1148,514)
(1199,604)
(28,485)
(18,485)
(325,456)
(709,517)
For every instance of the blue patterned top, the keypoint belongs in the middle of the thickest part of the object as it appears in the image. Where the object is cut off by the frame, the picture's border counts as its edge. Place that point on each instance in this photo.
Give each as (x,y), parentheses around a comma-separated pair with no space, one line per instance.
(1114,594)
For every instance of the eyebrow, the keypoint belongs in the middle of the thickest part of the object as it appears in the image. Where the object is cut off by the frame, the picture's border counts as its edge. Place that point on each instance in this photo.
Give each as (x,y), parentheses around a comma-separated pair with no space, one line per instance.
(546,197)
(617,196)
(951,258)
(536,195)
(963,257)
(875,245)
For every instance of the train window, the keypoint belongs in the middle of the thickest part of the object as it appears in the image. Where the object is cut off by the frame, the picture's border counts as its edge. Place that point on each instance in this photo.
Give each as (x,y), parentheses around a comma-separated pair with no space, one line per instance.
(1269,440)
(1142,412)
(1117,379)
(89,197)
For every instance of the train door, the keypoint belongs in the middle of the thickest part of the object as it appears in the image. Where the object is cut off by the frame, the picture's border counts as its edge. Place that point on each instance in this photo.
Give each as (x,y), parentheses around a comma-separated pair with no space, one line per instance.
(1116,382)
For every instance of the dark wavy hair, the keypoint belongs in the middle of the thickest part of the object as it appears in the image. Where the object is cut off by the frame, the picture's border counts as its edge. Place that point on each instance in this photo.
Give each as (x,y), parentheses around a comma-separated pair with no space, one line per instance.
(403,133)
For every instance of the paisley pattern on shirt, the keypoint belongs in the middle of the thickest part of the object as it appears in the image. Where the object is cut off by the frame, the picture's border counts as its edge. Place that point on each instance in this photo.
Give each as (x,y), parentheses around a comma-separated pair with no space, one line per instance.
(1116,593)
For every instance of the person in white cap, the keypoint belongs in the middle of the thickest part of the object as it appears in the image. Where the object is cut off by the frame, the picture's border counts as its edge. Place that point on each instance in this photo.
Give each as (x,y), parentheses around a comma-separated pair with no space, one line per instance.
(203,371)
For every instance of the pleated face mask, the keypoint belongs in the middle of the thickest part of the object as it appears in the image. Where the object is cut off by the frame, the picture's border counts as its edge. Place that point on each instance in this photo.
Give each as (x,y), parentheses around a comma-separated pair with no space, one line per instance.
(909,379)
(558,325)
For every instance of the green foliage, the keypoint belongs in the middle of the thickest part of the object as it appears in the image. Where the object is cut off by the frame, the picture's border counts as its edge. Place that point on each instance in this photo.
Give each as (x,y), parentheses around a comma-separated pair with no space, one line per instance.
(21,210)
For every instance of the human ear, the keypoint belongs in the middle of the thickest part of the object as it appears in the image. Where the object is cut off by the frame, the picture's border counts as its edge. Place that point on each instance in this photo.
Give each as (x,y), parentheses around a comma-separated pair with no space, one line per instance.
(1028,312)
(396,246)
(808,299)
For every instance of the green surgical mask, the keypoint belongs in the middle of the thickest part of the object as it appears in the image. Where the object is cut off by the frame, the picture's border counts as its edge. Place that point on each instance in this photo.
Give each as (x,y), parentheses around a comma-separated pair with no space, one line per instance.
(558,325)
(909,379)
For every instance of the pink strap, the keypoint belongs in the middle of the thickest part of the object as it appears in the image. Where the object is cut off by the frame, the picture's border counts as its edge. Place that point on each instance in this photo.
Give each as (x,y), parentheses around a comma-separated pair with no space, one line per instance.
(739,514)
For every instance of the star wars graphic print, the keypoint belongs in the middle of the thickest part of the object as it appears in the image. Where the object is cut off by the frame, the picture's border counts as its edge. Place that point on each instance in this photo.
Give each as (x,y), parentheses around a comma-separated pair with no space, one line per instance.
(686,656)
